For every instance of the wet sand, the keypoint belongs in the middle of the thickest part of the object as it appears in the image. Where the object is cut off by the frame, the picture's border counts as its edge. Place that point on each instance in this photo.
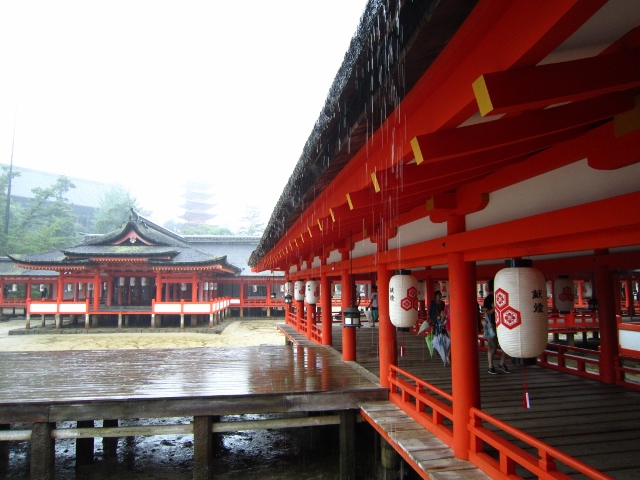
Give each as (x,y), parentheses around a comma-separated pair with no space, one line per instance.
(237,333)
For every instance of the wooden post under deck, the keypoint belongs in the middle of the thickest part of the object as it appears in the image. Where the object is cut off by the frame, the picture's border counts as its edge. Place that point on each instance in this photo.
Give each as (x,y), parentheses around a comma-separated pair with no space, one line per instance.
(109,444)
(347,445)
(42,451)
(202,447)
(84,446)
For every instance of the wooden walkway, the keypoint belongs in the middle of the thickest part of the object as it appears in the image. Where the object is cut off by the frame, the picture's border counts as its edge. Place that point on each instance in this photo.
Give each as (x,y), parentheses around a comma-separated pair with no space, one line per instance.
(427,454)
(596,423)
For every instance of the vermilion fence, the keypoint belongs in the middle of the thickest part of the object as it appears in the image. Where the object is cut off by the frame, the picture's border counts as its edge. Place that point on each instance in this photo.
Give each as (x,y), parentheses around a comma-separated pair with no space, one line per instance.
(542,465)
(428,405)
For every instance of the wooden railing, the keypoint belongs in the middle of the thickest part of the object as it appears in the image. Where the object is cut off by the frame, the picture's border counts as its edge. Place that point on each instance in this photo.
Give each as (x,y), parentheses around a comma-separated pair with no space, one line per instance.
(35,307)
(623,371)
(410,393)
(564,353)
(191,308)
(292,319)
(316,333)
(576,320)
(543,466)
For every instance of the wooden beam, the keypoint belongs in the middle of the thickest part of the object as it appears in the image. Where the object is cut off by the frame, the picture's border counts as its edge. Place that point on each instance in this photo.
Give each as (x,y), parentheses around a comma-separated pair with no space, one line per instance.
(529,88)
(508,131)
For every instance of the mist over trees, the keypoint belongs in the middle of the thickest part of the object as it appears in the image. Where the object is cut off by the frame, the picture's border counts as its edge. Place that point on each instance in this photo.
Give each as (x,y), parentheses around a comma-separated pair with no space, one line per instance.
(115,209)
(251,222)
(47,221)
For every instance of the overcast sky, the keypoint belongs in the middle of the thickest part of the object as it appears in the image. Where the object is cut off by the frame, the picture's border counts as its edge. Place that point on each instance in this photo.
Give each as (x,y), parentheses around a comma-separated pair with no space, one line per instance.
(151,94)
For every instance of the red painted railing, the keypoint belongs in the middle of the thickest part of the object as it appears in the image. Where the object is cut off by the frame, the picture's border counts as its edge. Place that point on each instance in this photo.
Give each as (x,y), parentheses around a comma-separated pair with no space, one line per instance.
(510,455)
(576,320)
(564,353)
(316,333)
(622,370)
(292,320)
(410,393)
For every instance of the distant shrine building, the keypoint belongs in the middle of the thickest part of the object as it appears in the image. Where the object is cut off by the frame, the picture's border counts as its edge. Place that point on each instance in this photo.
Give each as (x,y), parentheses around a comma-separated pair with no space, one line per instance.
(143,275)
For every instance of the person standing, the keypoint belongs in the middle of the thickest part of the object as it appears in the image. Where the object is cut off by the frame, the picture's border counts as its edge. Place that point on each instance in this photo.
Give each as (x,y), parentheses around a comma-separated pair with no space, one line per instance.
(373,304)
(436,307)
(488,307)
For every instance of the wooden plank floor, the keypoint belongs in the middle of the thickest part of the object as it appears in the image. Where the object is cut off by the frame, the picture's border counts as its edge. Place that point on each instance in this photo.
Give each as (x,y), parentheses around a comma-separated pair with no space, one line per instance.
(596,423)
(426,451)
(84,385)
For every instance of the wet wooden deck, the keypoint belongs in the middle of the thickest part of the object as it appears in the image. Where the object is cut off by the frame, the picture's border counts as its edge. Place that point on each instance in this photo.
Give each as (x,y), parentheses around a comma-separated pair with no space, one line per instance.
(88,385)
(596,423)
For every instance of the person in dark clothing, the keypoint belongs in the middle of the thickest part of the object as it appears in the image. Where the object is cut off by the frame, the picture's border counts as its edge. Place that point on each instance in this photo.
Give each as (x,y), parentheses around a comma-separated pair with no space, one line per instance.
(436,307)
(488,308)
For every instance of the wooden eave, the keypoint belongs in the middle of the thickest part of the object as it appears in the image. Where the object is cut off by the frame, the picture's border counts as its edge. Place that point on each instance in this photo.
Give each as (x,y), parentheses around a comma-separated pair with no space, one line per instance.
(451,162)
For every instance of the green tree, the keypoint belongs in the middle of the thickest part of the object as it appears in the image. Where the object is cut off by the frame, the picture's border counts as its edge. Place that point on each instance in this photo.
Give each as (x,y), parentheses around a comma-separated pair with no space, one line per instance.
(7,241)
(251,222)
(47,222)
(115,209)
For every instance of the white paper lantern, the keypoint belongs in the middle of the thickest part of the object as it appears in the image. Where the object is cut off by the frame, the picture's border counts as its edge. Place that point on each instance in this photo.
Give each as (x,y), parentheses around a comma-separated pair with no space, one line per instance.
(403,300)
(422,290)
(563,298)
(299,291)
(312,292)
(587,289)
(42,287)
(143,281)
(121,281)
(288,288)
(132,281)
(520,300)
(90,286)
(444,288)
(183,287)
(215,286)
(14,287)
(80,286)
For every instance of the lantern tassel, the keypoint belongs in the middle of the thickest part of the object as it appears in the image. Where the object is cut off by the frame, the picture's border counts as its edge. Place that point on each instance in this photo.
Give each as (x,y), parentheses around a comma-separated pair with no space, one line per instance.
(402,346)
(525,394)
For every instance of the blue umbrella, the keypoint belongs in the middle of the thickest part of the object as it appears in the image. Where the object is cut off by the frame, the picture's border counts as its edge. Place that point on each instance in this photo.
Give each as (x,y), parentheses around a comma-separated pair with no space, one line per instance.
(441,344)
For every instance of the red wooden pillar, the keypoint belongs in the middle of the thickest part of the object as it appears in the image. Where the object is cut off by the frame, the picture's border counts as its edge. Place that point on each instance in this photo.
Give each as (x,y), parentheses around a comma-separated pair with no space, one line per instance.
(299,315)
(465,371)
(325,307)
(109,300)
(311,320)
(158,288)
(194,288)
(96,291)
(60,290)
(387,332)
(580,298)
(604,292)
(348,333)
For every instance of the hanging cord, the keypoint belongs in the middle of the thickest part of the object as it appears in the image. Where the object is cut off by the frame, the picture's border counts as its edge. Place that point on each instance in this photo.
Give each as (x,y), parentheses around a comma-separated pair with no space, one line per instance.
(525,394)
